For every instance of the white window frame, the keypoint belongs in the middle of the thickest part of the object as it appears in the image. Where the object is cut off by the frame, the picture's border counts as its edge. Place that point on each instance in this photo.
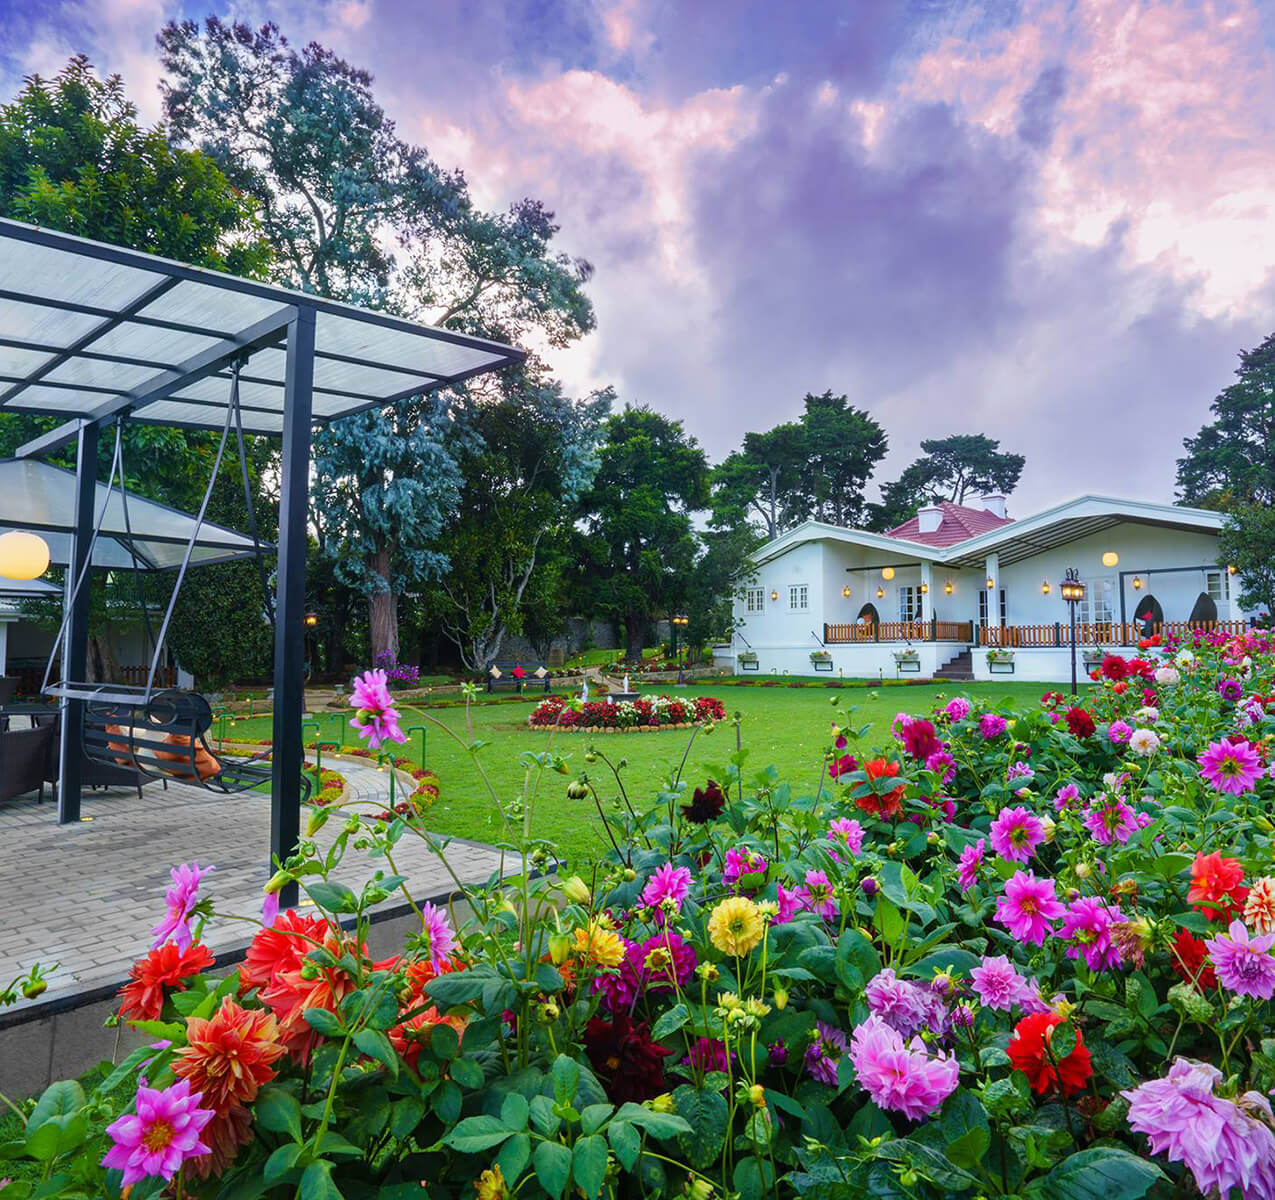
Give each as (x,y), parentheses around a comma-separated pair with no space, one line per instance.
(912,610)
(755,600)
(1098,606)
(798,592)
(1222,580)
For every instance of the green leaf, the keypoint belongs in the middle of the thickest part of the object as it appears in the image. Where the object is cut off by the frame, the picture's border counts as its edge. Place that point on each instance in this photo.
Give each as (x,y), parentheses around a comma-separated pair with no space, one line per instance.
(123,1071)
(1063,1040)
(62,1099)
(335,898)
(707,1115)
(1100,1173)
(1171,864)
(594,1116)
(456,987)
(589,1165)
(316,1182)
(474,1134)
(57,1124)
(626,1142)
(168,1030)
(447,1102)
(662,1125)
(283,1160)
(467,1073)
(546,1121)
(566,1078)
(964,1126)
(514,1156)
(375,1044)
(548,978)
(552,1161)
(514,1111)
(405,1115)
(928,1161)
(670,1022)
(444,1043)
(324,1022)
(752,1181)
(278,1111)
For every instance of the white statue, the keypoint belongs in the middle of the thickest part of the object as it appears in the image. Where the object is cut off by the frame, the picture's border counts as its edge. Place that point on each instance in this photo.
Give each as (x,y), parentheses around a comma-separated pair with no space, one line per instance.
(584,692)
(626,683)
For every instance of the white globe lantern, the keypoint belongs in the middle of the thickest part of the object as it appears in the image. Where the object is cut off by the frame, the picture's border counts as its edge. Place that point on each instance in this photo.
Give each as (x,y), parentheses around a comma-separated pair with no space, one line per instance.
(23,555)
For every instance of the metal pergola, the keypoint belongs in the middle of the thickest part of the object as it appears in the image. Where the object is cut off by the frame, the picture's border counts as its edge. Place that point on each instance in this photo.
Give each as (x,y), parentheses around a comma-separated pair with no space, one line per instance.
(96,333)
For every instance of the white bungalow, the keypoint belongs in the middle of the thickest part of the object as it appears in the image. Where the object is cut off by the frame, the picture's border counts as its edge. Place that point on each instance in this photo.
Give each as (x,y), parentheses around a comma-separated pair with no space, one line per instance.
(961,592)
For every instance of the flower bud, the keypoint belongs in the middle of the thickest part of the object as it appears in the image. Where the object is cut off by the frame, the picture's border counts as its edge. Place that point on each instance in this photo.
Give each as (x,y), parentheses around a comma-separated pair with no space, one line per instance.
(577,790)
(757,1095)
(781,998)
(629,875)
(559,948)
(576,890)
(869,885)
(32,988)
(662,1103)
(1049,826)
(278,881)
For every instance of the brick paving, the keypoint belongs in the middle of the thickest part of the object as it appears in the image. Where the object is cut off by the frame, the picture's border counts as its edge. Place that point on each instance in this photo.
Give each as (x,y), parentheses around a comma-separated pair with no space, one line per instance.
(86,896)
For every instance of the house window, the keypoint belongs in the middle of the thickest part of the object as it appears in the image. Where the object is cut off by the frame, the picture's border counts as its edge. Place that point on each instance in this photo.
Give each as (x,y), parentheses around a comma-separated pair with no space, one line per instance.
(1096,607)
(798,597)
(909,604)
(982,607)
(755,600)
(1217,585)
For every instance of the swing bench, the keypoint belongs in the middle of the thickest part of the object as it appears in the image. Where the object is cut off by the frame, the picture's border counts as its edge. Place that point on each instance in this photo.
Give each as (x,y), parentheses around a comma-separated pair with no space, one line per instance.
(164,734)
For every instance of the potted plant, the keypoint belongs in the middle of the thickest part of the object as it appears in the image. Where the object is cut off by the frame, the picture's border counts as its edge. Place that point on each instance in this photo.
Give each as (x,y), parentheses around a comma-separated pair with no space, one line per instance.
(907,660)
(1093,655)
(747,660)
(1000,660)
(821,660)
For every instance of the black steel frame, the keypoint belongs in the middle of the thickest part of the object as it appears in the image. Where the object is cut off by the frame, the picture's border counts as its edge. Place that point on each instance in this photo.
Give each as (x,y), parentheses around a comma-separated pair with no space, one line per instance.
(292,327)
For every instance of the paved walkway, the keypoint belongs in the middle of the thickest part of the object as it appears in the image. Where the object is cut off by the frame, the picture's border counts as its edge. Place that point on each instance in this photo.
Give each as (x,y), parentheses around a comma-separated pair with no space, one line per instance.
(86,896)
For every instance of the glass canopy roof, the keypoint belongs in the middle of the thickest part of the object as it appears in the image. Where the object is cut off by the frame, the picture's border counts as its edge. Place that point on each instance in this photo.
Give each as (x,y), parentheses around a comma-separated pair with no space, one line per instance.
(39,497)
(89,330)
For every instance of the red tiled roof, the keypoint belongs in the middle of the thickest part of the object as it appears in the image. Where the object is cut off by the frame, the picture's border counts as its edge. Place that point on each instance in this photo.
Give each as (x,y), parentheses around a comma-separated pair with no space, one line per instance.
(956,525)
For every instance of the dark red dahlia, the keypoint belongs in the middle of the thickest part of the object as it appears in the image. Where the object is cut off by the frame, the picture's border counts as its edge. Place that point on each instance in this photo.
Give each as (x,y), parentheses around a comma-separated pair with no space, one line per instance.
(920,740)
(706,804)
(629,1065)
(1080,723)
(1114,667)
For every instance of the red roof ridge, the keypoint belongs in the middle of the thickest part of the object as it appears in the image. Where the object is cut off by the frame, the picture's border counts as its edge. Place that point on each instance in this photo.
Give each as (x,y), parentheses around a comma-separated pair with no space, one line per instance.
(958,523)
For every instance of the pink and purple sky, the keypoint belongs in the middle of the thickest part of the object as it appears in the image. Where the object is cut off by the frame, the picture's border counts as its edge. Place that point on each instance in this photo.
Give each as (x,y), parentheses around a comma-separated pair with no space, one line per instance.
(1052,221)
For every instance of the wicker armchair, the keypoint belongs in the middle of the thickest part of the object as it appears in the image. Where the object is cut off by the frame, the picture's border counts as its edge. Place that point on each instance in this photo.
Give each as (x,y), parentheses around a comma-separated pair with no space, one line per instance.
(24,755)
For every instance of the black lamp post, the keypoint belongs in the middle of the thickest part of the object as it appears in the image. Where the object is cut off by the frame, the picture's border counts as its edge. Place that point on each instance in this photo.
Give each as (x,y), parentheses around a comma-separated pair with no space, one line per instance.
(676,622)
(1073,592)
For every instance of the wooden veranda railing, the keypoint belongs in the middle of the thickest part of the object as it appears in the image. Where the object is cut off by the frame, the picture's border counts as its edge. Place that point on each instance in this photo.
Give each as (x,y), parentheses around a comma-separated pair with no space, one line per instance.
(1102,633)
(136,676)
(858,632)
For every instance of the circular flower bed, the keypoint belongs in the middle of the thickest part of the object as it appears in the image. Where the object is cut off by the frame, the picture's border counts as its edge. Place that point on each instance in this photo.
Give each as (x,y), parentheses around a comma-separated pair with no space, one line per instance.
(646,712)
(990,953)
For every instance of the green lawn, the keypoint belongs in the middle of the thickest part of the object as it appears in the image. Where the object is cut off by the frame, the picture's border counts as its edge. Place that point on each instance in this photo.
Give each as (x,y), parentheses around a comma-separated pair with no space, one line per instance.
(783,726)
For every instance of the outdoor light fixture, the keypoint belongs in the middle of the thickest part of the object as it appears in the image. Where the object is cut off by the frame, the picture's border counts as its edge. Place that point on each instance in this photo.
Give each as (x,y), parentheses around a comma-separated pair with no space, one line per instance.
(887,572)
(1137,583)
(845,591)
(311,620)
(679,622)
(1110,558)
(880,592)
(1073,592)
(1232,569)
(1045,589)
(948,589)
(991,583)
(774,595)
(925,587)
(23,555)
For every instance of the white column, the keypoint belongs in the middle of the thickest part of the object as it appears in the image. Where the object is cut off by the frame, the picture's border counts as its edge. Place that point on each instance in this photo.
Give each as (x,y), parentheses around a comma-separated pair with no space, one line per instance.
(992,572)
(927,591)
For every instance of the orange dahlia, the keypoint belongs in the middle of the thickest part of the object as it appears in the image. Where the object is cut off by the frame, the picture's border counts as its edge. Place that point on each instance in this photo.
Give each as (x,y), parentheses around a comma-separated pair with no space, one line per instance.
(282,947)
(886,805)
(160,973)
(409,1036)
(292,992)
(227,1058)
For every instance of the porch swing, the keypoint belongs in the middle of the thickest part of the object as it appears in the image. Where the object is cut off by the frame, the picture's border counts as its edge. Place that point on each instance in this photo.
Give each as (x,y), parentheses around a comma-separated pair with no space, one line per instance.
(164,734)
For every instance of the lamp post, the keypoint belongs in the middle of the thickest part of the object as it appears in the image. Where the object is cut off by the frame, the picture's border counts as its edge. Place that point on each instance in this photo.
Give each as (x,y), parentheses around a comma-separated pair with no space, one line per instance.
(1073,592)
(679,622)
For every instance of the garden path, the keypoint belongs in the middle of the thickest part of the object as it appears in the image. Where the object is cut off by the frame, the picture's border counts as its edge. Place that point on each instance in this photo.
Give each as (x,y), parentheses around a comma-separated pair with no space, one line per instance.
(86,896)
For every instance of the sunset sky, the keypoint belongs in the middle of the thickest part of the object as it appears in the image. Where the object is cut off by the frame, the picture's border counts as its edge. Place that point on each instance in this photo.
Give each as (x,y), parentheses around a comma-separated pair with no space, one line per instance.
(1051,222)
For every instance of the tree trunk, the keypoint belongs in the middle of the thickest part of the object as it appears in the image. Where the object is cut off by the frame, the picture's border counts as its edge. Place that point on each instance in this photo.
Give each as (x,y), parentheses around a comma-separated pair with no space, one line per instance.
(635,626)
(382,608)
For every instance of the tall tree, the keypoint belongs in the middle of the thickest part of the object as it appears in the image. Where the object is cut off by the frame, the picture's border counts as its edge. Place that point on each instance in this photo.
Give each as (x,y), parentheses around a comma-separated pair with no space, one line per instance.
(358,214)
(535,454)
(639,545)
(1232,459)
(760,480)
(1247,543)
(953,469)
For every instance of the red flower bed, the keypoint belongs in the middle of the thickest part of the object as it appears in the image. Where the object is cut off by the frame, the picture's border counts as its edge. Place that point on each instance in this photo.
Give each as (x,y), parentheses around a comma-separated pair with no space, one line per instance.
(646,711)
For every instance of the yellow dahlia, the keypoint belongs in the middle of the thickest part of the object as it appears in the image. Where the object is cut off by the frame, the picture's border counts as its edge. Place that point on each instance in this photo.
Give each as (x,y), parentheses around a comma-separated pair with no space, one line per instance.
(490,1185)
(600,945)
(735,925)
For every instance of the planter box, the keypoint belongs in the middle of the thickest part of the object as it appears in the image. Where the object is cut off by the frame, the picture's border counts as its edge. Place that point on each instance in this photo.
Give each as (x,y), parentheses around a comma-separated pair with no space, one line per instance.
(1001,668)
(746,664)
(907,666)
(821,664)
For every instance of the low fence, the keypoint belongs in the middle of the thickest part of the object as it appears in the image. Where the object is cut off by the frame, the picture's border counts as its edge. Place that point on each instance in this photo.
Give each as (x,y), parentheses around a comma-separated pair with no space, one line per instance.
(933,630)
(1103,633)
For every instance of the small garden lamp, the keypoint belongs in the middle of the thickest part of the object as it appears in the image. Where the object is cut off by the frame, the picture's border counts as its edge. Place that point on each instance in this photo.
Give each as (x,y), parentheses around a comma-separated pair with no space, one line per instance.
(679,622)
(1137,583)
(1072,592)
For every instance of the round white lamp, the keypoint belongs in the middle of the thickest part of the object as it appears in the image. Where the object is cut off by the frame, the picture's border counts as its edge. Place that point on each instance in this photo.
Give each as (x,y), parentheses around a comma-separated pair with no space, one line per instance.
(23,555)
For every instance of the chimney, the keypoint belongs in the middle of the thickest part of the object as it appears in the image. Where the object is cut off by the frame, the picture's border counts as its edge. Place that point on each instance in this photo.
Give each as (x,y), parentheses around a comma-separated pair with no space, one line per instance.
(929,518)
(994,504)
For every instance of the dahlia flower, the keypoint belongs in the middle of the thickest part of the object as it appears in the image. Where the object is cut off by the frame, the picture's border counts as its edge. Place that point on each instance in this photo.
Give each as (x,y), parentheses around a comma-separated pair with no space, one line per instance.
(1232,767)
(1064,797)
(1144,742)
(957,709)
(991,725)
(1225,1144)
(816,895)
(997,983)
(1016,833)
(1087,927)
(735,926)
(1244,964)
(1110,822)
(825,1052)
(970,862)
(741,861)
(1027,1051)
(668,883)
(848,833)
(1167,676)
(906,1007)
(375,717)
(901,1077)
(1028,907)
(1217,886)
(227,1058)
(1259,908)
(437,933)
(181,898)
(161,1135)
(160,973)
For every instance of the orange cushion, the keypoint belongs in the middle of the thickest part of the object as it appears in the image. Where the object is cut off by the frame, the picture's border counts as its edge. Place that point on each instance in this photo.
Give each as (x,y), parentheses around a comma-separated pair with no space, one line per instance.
(206,764)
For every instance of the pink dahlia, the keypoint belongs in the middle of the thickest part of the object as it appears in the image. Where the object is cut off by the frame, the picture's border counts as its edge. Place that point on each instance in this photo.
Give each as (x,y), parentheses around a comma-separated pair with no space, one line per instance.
(958,709)
(991,725)
(901,1078)
(1232,767)
(816,895)
(1066,797)
(1111,820)
(998,984)
(1243,963)
(1225,1144)
(789,904)
(437,934)
(669,884)
(905,1006)
(667,961)
(971,861)
(942,763)
(1119,732)
(181,898)
(1028,907)
(741,861)
(1087,927)
(1016,833)
(160,1135)
(375,717)
(847,833)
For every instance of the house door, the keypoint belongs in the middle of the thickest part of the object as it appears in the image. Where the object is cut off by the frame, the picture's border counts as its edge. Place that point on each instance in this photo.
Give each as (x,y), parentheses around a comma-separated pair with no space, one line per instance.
(982,608)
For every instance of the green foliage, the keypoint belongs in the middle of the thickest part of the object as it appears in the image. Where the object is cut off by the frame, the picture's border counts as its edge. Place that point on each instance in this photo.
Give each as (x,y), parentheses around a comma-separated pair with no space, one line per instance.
(1231,461)
(1247,542)
(639,546)
(953,468)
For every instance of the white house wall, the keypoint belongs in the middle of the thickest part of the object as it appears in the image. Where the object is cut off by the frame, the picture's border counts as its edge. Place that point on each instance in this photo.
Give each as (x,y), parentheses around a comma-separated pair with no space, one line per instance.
(777,627)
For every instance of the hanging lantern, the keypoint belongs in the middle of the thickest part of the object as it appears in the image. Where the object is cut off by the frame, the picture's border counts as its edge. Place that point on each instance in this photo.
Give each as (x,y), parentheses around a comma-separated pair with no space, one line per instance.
(948,589)
(1045,589)
(1137,583)
(887,572)
(845,591)
(991,583)
(925,587)
(880,592)
(1232,569)
(23,555)
(774,595)
(1110,558)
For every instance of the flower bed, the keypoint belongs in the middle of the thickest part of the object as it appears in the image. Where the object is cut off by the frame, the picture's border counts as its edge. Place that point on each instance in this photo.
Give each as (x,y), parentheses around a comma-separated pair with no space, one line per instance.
(999,953)
(646,712)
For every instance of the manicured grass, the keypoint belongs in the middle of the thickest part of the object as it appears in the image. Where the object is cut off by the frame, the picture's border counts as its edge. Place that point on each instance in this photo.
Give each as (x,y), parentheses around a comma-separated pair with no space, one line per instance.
(786,727)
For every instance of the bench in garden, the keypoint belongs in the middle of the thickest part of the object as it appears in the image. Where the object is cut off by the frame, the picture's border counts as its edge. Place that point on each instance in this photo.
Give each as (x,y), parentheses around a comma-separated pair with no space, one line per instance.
(515,677)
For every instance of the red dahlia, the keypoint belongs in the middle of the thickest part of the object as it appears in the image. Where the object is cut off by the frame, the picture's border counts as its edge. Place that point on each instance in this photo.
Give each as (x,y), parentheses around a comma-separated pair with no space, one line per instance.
(1027,1051)
(627,1062)
(160,973)
(1080,723)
